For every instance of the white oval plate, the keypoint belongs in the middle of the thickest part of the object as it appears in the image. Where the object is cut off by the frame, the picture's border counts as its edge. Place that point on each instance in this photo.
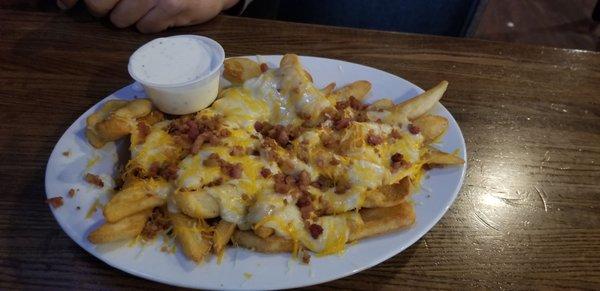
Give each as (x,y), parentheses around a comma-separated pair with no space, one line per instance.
(240,268)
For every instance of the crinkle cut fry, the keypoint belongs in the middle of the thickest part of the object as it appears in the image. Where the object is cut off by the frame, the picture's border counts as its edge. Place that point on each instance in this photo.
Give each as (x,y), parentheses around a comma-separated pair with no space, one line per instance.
(126,228)
(193,243)
(377,221)
(115,120)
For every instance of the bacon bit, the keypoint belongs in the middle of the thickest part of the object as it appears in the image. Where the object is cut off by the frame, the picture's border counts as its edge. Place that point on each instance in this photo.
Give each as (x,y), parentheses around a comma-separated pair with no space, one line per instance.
(237,151)
(279,133)
(224,132)
(66,153)
(395,134)
(177,127)
(283,137)
(306,211)
(213,160)
(213,140)
(143,129)
(157,223)
(189,131)
(255,152)
(290,180)
(234,171)
(280,185)
(71,193)
(294,132)
(193,130)
(55,202)
(183,142)
(264,67)
(169,172)
(215,182)
(315,230)
(304,200)
(94,180)
(198,142)
(269,143)
(303,180)
(334,162)
(265,173)
(341,105)
(271,155)
(259,126)
(356,104)
(303,155)
(413,129)
(374,139)
(341,187)
(287,167)
(320,162)
(397,157)
(153,170)
(361,116)
(342,123)
(322,183)
(305,258)
(329,141)
(400,164)
(304,115)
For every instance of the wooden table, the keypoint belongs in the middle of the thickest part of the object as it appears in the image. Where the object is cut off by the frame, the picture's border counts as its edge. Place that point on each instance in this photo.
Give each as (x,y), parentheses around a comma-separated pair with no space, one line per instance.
(528,214)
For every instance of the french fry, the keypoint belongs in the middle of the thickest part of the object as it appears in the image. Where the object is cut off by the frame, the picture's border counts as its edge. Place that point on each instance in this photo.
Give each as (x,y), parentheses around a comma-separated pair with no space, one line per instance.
(381,104)
(388,195)
(290,60)
(308,75)
(197,203)
(223,232)
(194,245)
(437,157)
(263,231)
(357,89)
(271,244)
(417,106)
(93,138)
(327,90)
(238,70)
(114,120)
(126,228)
(152,118)
(383,220)
(136,196)
(432,126)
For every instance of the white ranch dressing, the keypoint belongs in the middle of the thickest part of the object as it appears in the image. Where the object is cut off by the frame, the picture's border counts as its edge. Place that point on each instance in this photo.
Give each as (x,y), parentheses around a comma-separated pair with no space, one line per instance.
(180,74)
(171,60)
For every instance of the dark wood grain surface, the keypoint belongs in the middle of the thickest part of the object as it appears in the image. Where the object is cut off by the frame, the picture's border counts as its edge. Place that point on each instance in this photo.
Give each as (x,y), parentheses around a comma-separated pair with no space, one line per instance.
(528,214)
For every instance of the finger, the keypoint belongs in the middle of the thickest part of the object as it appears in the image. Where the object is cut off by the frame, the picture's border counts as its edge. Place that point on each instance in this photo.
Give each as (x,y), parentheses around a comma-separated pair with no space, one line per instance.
(161,17)
(128,12)
(66,4)
(199,11)
(100,8)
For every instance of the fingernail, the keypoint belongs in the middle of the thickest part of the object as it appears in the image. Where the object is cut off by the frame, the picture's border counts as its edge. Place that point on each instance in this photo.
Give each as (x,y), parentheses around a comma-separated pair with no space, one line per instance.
(61,5)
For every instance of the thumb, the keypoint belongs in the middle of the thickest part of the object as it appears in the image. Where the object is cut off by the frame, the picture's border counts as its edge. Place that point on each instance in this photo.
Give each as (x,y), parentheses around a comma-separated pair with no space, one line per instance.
(66,4)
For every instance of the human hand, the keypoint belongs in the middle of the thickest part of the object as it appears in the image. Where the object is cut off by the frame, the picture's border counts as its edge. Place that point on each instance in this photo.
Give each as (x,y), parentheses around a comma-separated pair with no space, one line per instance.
(151,16)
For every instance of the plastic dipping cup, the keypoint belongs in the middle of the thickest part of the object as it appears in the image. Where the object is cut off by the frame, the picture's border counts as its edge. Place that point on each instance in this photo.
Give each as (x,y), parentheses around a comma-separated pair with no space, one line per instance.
(180,74)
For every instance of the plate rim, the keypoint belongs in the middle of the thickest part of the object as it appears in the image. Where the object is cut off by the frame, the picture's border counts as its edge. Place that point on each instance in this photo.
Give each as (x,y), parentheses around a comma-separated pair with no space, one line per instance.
(385,256)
